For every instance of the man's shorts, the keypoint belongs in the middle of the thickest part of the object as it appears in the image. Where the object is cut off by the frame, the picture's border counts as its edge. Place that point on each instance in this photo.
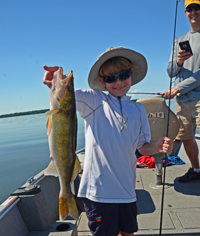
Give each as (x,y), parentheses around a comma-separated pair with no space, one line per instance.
(107,219)
(188,114)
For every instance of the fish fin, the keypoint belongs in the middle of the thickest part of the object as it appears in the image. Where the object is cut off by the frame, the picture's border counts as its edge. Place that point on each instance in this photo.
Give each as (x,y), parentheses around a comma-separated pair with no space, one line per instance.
(76,170)
(48,125)
(51,112)
(51,170)
(67,206)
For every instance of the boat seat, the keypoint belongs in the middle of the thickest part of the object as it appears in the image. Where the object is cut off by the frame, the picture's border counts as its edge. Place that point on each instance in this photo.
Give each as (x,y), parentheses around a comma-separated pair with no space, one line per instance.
(157,112)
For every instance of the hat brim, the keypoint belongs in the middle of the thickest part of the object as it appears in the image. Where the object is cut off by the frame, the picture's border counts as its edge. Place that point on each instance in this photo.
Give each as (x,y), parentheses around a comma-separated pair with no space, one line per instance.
(136,58)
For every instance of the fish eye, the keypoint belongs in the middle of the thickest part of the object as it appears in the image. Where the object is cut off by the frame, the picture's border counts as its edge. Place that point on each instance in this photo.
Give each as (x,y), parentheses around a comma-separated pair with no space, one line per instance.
(70,87)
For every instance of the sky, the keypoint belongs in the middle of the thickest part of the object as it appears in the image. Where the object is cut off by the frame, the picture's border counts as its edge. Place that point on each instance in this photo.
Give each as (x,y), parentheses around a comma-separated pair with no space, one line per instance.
(72,34)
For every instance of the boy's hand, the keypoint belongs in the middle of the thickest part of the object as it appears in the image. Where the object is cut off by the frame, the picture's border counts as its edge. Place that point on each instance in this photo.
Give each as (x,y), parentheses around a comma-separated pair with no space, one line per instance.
(48,75)
(164,145)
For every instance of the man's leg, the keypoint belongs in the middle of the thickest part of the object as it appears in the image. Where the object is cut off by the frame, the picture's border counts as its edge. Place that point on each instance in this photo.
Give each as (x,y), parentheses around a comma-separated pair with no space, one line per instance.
(188,114)
(192,151)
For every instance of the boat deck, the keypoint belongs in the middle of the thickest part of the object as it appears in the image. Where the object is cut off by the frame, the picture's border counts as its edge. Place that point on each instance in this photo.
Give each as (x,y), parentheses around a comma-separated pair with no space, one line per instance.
(181,212)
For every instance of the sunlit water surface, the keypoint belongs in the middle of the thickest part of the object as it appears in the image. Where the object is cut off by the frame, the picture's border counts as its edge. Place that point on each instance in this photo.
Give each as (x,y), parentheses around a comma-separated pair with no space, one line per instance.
(24,150)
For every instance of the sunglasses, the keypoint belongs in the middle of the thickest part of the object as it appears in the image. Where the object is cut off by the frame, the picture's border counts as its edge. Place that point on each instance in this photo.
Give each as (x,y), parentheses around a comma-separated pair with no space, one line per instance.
(190,8)
(123,75)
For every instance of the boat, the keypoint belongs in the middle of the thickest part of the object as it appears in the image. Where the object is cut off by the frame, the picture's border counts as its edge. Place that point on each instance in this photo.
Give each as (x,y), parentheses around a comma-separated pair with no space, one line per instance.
(32,210)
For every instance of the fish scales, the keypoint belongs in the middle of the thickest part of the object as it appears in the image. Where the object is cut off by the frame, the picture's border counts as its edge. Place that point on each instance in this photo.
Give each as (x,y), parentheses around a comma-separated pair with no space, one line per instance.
(62,140)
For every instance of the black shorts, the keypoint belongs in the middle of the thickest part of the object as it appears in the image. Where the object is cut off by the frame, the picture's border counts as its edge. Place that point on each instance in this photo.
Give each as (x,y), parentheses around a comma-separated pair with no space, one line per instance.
(108,219)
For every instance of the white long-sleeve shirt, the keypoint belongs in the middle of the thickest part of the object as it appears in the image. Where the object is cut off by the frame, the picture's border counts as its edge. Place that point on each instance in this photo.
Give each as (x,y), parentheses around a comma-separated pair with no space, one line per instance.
(109,173)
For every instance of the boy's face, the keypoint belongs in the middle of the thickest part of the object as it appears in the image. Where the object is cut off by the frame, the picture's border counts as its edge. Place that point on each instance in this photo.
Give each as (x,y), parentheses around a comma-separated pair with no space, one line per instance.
(118,88)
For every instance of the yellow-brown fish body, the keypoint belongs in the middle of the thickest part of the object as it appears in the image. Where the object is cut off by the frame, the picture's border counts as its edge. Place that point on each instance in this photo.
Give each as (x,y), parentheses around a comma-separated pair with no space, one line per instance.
(62,139)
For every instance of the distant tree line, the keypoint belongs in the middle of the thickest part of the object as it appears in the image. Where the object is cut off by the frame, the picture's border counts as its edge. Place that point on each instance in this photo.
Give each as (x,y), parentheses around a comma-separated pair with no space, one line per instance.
(24,113)
(34,112)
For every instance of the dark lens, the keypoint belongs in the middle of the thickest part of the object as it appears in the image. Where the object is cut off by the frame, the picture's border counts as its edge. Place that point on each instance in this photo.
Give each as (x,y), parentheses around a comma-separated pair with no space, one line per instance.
(108,79)
(189,9)
(197,7)
(125,74)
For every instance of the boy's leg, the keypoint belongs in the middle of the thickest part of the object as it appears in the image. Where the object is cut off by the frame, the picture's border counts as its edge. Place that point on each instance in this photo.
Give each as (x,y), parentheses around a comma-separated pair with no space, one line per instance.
(102,217)
(128,219)
(111,219)
(124,234)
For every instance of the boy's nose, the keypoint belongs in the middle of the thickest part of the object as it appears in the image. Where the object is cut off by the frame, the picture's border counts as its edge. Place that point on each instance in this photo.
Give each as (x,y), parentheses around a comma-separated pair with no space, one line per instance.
(118,80)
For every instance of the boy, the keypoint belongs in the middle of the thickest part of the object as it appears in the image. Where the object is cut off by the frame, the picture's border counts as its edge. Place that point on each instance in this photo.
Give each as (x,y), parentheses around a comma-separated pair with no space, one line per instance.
(114,128)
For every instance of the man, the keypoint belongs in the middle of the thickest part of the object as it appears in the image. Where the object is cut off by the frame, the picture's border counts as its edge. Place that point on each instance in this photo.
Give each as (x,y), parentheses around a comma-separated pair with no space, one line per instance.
(186,68)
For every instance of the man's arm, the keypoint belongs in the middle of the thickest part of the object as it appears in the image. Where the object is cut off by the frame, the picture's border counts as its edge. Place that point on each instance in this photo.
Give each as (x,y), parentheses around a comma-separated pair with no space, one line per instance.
(185,86)
(178,61)
(190,83)
(179,56)
(175,69)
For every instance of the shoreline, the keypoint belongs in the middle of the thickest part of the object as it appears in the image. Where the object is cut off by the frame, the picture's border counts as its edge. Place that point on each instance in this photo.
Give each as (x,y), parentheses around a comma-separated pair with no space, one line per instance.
(24,113)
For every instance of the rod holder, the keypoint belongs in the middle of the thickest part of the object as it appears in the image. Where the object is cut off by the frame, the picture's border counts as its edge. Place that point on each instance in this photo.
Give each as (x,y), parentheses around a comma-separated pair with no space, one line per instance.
(159,173)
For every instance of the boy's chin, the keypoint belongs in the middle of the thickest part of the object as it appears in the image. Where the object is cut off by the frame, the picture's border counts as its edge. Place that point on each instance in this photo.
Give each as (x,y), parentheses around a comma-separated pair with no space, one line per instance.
(118,94)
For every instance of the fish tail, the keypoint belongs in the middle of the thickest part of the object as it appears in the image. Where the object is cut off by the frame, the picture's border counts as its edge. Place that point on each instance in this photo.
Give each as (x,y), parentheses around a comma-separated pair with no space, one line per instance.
(67,206)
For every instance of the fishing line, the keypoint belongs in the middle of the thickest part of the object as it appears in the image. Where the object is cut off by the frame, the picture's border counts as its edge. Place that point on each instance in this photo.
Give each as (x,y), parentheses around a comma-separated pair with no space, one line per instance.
(166,157)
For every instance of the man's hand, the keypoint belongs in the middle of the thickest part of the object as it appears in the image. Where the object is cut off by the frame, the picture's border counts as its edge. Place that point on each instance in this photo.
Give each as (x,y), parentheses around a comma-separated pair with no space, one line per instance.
(48,75)
(174,92)
(182,56)
(164,145)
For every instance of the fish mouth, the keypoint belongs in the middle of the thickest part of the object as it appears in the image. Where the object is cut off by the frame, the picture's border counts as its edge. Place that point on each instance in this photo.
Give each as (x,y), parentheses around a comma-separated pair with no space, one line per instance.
(63,81)
(61,86)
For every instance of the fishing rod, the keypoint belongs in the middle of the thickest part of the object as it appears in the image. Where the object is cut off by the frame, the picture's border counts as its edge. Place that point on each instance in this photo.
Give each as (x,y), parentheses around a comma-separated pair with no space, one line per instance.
(162,94)
(166,157)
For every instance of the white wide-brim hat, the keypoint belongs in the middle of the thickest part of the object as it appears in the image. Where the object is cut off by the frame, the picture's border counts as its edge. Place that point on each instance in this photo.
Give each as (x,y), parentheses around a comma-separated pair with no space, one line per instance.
(138,60)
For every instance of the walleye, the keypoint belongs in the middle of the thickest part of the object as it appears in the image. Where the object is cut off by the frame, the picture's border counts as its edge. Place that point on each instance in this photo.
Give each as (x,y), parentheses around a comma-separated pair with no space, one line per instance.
(62,130)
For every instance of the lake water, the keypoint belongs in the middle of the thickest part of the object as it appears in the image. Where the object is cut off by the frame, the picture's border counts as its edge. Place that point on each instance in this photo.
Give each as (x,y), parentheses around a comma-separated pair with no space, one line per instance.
(24,149)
